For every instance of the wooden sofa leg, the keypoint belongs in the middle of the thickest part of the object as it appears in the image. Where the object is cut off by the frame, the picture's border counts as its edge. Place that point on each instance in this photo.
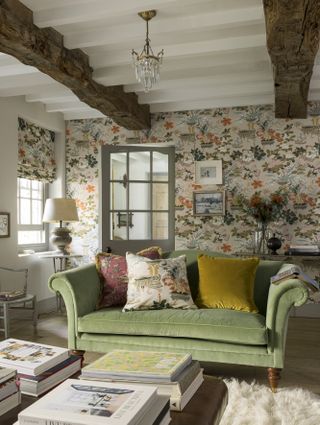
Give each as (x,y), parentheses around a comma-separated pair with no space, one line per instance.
(79,353)
(273,377)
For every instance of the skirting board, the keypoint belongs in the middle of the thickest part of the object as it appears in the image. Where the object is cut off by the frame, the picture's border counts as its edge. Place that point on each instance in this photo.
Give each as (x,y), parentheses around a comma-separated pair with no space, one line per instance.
(307,310)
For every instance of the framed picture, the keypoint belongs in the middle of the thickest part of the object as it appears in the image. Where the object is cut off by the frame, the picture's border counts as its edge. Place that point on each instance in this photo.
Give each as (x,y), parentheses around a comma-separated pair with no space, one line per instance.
(4,225)
(208,203)
(209,172)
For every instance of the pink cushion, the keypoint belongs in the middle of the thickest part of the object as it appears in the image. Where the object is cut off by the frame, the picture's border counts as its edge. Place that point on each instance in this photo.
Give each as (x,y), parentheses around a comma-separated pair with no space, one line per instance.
(114,277)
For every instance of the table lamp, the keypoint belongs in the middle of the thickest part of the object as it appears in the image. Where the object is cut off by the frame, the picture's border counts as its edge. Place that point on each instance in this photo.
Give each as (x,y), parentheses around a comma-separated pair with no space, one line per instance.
(58,210)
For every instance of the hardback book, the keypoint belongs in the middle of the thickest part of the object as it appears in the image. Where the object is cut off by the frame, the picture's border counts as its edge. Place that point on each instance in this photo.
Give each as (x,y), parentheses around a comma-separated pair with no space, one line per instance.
(180,402)
(8,388)
(295,272)
(7,373)
(157,414)
(10,403)
(77,402)
(179,391)
(30,358)
(37,385)
(140,365)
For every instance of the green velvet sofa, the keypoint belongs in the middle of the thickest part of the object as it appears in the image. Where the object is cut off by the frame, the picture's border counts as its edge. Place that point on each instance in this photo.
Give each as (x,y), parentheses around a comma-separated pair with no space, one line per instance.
(212,335)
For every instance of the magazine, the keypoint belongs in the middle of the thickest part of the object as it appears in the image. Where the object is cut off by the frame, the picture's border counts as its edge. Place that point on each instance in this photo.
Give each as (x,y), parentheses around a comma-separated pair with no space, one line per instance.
(295,272)
(142,365)
(95,403)
(29,357)
(37,385)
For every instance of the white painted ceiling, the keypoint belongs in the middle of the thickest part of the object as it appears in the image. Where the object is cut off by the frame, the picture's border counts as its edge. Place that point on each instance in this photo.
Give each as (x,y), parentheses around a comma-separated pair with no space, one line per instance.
(214,53)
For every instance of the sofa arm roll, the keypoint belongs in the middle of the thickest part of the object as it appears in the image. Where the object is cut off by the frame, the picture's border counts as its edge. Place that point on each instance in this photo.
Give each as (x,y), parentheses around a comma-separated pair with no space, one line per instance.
(82,284)
(281,299)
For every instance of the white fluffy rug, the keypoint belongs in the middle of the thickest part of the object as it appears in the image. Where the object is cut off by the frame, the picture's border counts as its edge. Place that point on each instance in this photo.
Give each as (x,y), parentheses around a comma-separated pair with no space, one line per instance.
(253,404)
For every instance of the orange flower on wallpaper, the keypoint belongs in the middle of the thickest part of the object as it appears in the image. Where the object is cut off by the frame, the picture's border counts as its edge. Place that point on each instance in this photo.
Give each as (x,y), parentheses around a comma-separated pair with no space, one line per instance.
(115,129)
(318,181)
(90,188)
(257,183)
(81,205)
(22,152)
(168,125)
(226,247)
(226,121)
(308,200)
(184,201)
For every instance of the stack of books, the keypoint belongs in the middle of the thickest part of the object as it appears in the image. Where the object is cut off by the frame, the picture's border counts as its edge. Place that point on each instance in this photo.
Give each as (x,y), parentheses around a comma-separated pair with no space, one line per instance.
(77,402)
(175,375)
(9,390)
(295,272)
(303,250)
(39,367)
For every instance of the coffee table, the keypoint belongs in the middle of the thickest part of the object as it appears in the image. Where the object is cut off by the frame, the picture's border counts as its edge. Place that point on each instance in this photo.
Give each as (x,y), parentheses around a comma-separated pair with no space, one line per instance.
(205,408)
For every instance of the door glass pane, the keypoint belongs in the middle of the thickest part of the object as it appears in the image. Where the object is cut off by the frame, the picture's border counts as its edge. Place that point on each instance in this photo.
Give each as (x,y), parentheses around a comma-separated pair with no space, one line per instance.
(118,226)
(160,222)
(160,166)
(139,196)
(118,165)
(160,196)
(141,228)
(139,166)
(118,196)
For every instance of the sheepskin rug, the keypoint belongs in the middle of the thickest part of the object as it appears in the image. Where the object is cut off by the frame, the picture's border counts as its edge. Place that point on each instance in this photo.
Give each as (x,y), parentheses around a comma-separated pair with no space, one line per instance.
(254,404)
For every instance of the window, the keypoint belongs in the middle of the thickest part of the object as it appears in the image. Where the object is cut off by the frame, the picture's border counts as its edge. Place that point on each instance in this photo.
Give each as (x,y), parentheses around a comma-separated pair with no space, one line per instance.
(31,198)
(137,198)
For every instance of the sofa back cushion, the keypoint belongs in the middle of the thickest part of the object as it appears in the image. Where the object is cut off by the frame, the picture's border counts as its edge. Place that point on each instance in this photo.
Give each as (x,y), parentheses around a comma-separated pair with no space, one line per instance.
(227,283)
(192,265)
(265,270)
(112,270)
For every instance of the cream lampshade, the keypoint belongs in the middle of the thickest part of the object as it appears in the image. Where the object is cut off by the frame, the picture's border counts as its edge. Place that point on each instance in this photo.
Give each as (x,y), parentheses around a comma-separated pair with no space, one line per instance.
(58,210)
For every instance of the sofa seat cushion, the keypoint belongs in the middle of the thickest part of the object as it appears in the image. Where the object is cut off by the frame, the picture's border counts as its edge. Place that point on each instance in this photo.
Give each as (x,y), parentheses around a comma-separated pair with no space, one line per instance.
(206,324)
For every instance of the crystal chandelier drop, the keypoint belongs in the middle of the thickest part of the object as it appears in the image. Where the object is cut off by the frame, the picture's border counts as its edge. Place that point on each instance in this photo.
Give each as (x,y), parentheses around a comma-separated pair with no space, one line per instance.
(147,64)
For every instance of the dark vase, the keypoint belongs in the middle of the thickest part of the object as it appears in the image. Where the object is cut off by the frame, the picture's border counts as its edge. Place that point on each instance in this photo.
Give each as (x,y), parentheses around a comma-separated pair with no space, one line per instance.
(273,244)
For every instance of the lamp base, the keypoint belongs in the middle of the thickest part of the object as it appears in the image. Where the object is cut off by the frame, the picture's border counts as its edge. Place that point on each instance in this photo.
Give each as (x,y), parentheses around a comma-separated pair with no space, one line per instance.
(62,239)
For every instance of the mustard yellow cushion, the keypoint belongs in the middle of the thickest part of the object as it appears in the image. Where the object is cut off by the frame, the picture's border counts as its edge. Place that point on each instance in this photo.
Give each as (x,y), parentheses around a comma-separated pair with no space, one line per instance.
(227,283)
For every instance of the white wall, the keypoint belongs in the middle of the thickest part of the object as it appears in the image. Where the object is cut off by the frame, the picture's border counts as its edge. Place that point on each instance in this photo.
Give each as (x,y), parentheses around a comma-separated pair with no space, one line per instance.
(10,109)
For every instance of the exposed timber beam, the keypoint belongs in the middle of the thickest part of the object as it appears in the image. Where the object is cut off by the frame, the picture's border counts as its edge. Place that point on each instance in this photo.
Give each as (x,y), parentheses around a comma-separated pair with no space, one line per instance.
(293,42)
(44,49)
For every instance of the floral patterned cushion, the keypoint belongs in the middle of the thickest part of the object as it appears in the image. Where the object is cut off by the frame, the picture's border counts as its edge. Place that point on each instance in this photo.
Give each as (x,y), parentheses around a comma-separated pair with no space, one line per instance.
(112,270)
(157,284)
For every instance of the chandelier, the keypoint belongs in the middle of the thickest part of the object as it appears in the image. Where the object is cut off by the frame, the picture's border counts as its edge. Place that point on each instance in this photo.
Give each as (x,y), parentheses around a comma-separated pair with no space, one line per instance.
(147,64)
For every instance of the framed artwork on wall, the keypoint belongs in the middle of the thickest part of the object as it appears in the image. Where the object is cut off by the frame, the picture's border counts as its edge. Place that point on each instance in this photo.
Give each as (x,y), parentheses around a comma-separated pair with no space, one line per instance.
(209,172)
(4,225)
(208,203)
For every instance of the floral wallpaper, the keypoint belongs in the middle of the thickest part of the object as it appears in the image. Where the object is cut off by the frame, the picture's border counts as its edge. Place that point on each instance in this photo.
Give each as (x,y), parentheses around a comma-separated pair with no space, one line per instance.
(260,155)
(36,159)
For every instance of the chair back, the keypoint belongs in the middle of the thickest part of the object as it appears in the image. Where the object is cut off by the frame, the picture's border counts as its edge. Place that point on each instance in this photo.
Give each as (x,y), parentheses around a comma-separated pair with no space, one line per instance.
(13,282)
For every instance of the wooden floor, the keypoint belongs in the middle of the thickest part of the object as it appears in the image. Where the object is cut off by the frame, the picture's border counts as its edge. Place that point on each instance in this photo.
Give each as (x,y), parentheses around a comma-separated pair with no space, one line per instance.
(302,365)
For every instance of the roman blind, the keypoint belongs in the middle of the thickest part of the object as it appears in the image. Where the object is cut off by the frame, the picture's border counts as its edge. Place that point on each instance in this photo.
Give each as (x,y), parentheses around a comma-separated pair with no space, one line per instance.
(36,159)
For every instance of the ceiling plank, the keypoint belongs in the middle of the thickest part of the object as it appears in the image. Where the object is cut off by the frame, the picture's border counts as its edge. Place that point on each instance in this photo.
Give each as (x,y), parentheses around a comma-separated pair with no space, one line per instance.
(44,49)
(293,42)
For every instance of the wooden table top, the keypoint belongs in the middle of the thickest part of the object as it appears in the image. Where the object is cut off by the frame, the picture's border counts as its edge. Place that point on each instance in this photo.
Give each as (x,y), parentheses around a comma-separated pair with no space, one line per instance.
(205,408)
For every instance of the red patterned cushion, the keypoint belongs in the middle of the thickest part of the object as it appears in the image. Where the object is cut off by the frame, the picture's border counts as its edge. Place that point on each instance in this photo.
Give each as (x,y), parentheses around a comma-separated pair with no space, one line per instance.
(114,277)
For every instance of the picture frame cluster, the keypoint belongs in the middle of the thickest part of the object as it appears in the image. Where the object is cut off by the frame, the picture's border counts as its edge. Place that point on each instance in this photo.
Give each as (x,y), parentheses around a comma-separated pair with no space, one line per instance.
(209,202)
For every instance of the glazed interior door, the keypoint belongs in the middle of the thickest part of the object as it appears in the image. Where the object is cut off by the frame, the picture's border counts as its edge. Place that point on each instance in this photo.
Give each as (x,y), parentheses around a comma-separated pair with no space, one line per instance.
(137,198)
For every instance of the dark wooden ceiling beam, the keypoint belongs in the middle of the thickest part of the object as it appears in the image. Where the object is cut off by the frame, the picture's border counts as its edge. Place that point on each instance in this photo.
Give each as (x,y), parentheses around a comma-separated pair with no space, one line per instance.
(293,42)
(44,49)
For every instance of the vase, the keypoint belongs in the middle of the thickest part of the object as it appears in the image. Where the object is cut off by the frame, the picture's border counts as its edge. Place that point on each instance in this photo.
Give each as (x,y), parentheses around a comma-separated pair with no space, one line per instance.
(273,244)
(261,235)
